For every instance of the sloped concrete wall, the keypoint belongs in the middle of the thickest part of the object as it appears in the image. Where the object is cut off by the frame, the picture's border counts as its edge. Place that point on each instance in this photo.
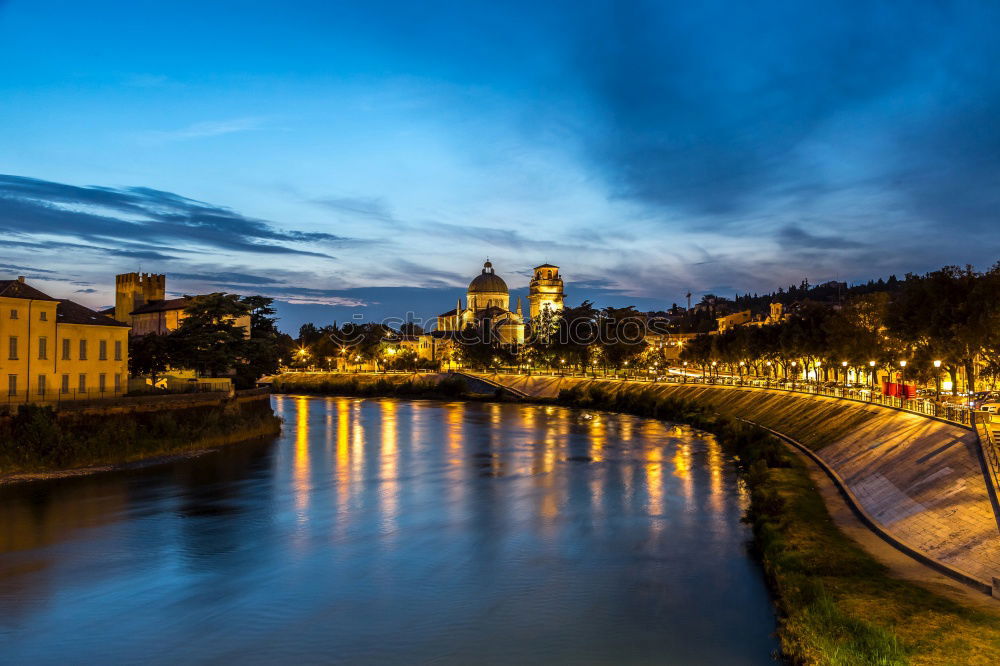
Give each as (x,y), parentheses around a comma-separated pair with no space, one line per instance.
(921,480)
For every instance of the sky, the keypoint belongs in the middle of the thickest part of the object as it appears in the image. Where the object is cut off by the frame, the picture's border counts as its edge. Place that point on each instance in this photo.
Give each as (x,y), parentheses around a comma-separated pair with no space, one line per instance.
(358,160)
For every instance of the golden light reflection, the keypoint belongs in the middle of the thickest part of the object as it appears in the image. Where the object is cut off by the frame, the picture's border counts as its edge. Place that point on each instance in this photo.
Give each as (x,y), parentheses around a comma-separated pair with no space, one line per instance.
(389,462)
(654,481)
(300,464)
(343,456)
(357,451)
(598,437)
(682,468)
(715,463)
(455,415)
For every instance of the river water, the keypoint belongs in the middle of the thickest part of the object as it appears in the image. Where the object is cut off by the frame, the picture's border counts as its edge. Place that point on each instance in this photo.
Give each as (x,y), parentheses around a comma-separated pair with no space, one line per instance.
(395,532)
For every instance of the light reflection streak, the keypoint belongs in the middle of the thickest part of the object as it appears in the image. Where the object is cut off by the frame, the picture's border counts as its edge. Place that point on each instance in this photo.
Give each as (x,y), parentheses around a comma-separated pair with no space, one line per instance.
(389,481)
(300,465)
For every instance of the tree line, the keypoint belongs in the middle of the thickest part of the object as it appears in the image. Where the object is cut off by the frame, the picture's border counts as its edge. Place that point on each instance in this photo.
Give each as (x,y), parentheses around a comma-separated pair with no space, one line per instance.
(209,341)
(951,315)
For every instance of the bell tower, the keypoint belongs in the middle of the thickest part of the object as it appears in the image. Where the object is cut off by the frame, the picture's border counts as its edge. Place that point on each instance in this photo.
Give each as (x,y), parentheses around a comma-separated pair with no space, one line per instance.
(545,290)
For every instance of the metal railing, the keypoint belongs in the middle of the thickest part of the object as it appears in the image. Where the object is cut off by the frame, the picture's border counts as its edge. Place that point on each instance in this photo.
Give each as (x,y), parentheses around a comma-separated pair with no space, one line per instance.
(988,443)
(945,411)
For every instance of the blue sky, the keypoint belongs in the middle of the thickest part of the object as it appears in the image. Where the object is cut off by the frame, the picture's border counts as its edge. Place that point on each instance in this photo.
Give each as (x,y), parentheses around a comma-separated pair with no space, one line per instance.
(365,157)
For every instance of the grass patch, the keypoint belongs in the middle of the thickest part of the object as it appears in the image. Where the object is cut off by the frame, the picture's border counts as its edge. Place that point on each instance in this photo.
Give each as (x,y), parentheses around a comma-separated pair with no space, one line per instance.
(837,604)
(38,439)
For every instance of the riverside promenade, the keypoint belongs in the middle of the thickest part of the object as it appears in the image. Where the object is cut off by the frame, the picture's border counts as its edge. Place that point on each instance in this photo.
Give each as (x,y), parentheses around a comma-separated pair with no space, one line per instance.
(921,481)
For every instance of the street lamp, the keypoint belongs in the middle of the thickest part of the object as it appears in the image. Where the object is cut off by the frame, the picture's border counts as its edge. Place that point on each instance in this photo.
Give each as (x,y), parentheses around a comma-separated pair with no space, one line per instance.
(793,374)
(902,380)
(937,381)
(843,364)
(684,372)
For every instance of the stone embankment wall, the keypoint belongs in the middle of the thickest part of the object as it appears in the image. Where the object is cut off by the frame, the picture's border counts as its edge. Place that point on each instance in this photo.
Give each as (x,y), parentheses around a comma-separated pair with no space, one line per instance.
(921,480)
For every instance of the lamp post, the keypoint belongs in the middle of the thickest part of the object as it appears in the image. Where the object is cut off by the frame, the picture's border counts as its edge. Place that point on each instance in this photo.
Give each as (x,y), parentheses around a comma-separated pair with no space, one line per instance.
(715,373)
(937,382)
(902,381)
(871,374)
(816,368)
(742,365)
(684,372)
(793,374)
(843,364)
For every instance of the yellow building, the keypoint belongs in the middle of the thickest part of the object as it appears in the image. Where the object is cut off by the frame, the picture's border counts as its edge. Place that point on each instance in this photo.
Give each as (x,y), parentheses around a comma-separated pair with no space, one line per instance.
(140,301)
(57,350)
(734,320)
(487,301)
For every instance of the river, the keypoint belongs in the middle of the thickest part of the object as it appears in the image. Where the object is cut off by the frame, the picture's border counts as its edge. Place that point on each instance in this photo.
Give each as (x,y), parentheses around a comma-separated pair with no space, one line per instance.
(384,531)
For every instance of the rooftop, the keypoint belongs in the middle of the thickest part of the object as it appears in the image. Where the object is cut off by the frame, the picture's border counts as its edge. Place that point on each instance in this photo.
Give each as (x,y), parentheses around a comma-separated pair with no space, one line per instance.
(19,289)
(68,312)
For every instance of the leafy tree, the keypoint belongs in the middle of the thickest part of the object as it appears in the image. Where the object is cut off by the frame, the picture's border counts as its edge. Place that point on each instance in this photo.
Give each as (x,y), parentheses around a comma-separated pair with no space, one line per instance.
(149,355)
(208,338)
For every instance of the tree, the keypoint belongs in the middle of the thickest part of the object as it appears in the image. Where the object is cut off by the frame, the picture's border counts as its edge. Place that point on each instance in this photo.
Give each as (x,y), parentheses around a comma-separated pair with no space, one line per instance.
(149,355)
(208,338)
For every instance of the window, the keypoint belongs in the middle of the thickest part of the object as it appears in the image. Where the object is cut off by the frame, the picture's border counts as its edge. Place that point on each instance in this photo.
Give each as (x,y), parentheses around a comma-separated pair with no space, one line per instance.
(118,382)
(83,350)
(65,384)
(12,348)
(65,354)
(43,348)
(11,384)
(102,382)
(43,316)
(41,385)
(118,350)
(102,350)
(13,314)
(82,386)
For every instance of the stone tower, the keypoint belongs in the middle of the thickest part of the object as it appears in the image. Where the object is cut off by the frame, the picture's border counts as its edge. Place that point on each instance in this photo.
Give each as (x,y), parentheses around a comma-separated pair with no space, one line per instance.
(545,290)
(135,289)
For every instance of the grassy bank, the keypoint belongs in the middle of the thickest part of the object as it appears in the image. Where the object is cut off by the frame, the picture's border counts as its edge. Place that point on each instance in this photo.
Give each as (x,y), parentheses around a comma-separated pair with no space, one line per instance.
(392,385)
(836,603)
(38,439)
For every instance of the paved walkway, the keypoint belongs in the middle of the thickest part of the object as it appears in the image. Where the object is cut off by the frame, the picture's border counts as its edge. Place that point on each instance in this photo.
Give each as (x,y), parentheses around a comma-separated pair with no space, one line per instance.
(919,478)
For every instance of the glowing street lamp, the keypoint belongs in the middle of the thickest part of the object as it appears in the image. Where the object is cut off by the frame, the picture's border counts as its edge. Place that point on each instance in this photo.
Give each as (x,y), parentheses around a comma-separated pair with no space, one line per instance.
(902,378)
(937,382)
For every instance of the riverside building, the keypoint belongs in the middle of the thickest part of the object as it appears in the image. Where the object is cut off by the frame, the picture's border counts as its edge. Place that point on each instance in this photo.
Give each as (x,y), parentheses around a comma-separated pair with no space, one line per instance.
(55,349)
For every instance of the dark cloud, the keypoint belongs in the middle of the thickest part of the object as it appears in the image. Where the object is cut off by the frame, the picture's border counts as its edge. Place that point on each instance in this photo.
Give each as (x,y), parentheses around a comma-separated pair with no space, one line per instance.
(710,107)
(104,215)
(26,269)
(793,236)
(227,278)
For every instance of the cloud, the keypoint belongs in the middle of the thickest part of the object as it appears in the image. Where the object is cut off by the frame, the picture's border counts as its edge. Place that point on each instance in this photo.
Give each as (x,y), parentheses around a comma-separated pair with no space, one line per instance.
(164,220)
(202,129)
(795,237)
(232,278)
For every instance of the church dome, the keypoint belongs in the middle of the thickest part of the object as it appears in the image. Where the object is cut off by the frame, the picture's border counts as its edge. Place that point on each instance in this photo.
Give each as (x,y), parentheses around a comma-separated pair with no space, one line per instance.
(487,282)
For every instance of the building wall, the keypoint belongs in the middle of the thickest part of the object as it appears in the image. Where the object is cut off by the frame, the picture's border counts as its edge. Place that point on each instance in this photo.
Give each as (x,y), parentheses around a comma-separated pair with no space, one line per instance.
(41,364)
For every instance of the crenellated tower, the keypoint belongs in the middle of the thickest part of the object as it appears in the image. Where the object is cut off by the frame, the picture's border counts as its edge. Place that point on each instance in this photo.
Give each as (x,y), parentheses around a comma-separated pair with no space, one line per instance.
(135,289)
(545,290)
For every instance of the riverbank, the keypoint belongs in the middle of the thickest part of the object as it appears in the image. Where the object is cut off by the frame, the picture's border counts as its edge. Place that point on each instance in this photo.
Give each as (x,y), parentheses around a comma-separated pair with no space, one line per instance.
(38,442)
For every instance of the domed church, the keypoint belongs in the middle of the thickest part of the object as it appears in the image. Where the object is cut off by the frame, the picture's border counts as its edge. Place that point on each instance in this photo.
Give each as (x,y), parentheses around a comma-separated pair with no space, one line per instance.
(487,299)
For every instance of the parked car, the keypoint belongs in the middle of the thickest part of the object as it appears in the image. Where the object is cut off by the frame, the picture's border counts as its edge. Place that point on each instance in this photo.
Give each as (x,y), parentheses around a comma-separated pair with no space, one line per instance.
(994,410)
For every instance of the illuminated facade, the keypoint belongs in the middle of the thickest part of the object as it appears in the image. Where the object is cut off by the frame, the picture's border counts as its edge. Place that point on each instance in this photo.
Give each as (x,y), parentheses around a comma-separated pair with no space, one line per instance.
(487,299)
(545,292)
(57,350)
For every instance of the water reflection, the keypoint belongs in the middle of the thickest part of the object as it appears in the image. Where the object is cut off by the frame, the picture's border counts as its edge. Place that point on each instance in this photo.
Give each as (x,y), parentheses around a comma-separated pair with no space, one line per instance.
(380,531)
